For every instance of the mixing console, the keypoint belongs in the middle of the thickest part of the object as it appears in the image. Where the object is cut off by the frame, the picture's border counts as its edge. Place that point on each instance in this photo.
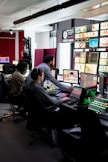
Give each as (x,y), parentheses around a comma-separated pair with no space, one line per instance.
(100,106)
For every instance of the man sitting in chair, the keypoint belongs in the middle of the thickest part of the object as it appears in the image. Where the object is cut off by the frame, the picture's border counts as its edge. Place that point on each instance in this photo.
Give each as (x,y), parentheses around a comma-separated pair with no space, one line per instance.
(16,97)
(55,117)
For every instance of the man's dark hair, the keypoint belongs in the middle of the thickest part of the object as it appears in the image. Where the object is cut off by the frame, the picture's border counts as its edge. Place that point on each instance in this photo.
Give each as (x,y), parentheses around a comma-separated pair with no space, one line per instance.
(21,66)
(47,59)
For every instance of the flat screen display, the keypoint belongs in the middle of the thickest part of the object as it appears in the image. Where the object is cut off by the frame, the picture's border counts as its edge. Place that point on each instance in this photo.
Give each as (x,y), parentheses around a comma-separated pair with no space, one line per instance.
(4,60)
(103,42)
(1,67)
(54,72)
(93,43)
(71,76)
(79,67)
(76,92)
(92,57)
(88,80)
(60,77)
(91,68)
(80,44)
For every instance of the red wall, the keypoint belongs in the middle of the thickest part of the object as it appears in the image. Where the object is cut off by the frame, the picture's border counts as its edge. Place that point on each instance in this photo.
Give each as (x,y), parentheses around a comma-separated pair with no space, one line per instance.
(21,44)
(7,44)
(41,53)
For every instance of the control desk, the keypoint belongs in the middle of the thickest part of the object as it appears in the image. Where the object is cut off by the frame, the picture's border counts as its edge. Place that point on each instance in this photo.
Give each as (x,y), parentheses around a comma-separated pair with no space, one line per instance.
(100,106)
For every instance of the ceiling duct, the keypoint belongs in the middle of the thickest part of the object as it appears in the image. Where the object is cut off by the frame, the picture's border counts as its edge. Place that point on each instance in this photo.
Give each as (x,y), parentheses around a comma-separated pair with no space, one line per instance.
(49,10)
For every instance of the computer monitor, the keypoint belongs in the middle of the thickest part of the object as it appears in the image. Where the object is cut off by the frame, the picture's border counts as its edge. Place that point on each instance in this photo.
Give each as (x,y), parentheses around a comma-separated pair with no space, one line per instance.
(71,76)
(54,72)
(88,80)
(60,77)
(103,83)
(93,43)
(8,68)
(1,67)
(5,60)
(15,62)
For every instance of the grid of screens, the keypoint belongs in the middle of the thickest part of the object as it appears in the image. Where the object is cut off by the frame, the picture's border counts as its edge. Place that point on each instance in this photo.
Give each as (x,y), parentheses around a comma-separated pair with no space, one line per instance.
(70,76)
(88,80)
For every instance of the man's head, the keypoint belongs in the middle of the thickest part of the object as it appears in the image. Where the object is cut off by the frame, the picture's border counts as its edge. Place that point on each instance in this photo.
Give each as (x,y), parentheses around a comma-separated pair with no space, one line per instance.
(49,60)
(22,67)
(37,75)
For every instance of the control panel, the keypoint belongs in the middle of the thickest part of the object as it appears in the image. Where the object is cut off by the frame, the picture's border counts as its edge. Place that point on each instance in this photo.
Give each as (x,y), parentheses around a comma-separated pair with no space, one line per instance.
(100,106)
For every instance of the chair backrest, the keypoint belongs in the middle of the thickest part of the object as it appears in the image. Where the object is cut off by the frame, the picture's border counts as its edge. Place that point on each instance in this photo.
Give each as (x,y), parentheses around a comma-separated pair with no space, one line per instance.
(4,87)
(36,113)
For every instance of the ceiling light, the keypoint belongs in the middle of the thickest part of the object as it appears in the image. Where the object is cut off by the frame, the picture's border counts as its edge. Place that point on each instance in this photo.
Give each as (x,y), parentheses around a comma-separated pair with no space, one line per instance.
(11,31)
(104,3)
(96,6)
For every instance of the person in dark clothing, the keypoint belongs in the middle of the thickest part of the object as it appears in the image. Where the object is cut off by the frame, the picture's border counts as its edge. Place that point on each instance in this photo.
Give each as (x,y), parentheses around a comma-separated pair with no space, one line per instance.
(42,100)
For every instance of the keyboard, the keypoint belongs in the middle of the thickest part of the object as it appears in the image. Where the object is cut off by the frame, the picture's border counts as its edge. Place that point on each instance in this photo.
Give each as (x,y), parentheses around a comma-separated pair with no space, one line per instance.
(72,101)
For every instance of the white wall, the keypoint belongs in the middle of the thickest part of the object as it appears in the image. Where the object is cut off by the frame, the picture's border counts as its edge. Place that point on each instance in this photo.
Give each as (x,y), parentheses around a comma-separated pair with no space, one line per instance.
(63,56)
(38,40)
(42,40)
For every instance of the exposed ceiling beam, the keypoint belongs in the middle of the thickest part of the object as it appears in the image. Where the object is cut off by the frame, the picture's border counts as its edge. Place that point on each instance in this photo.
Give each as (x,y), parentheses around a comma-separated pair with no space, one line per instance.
(49,10)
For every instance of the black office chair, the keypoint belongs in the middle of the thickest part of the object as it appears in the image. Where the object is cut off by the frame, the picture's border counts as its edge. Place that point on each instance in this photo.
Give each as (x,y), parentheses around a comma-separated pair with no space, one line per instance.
(3,88)
(37,121)
(87,142)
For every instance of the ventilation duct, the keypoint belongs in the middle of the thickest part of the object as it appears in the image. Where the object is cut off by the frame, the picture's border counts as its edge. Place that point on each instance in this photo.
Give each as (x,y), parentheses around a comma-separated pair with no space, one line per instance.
(49,10)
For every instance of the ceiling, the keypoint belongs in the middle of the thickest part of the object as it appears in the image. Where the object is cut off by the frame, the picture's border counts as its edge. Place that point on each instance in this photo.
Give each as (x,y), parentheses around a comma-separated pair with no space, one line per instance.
(13,10)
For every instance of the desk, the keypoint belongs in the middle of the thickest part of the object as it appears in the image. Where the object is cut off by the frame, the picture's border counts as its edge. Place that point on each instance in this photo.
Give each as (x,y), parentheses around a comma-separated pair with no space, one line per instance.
(74,108)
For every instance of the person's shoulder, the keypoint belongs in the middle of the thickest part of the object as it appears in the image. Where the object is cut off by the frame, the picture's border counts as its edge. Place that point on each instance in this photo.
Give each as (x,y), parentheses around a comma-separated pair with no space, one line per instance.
(43,65)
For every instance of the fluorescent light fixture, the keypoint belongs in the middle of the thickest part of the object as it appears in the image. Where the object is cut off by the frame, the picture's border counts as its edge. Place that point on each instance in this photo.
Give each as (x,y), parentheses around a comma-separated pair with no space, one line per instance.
(101,49)
(78,50)
(96,6)
(104,3)
(86,50)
